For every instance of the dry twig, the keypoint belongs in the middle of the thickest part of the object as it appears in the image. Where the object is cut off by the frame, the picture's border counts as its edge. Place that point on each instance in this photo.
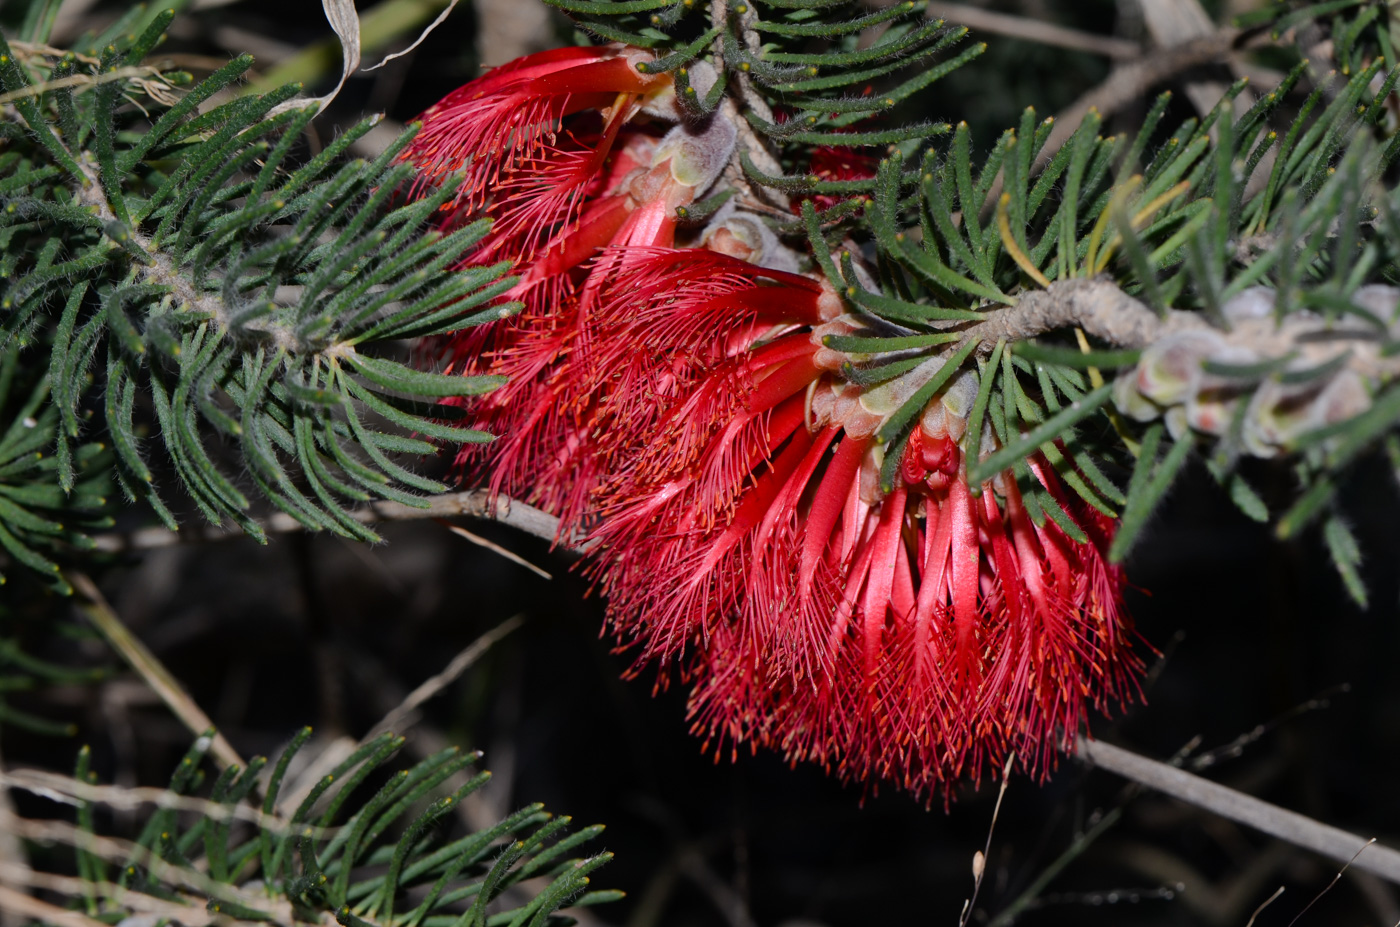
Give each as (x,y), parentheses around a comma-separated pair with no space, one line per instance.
(182,879)
(431,687)
(145,663)
(20,903)
(69,791)
(1332,842)
(495,548)
(1033,30)
(979,859)
(1127,83)
(472,503)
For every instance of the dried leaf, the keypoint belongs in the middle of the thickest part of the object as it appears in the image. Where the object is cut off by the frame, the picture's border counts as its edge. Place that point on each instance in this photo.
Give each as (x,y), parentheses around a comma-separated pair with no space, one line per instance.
(345,22)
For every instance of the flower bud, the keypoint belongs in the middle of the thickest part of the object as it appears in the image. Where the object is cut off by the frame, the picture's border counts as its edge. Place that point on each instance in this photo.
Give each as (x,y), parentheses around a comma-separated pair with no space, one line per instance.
(748,238)
(698,156)
(1380,300)
(1277,413)
(959,398)
(1169,371)
(1178,426)
(1212,409)
(886,398)
(1212,406)
(934,421)
(1130,401)
(1257,302)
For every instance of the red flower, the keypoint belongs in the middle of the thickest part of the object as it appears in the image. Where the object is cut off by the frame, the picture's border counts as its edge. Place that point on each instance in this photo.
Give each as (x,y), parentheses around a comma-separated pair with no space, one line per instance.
(916,634)
(545,149)
(509,121)
(681,403)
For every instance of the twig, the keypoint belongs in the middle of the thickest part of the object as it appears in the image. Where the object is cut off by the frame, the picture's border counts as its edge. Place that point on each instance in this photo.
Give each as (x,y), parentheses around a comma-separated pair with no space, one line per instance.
(66,790)
(1110,896)
(192,913)
(380,26)
(1218,799)
(1236,747)
(979,860)
(495,548)
(427,31)
(1098,306)
(150,79)
(459,665)
(12,853)
(1126,83)
(1267,901)
(140,658)
(1103,310)
(473,503)
(1171,22)
(1033,30)
(20,903)
(1008,915)
(732,106)
(1335,879)
(184,878)
(25,50)
(162,269)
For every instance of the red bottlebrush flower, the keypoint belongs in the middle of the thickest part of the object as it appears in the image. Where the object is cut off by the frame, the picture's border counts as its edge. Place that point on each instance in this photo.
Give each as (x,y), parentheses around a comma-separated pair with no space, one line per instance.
(652,339)
(915,634)
(558,205)
(682,404)
(543,452)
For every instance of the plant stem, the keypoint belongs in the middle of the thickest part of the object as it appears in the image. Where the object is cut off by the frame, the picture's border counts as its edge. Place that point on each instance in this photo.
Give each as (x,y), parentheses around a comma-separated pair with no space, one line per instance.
(472,503)
(148,667)
(1298,830)
(1042,881)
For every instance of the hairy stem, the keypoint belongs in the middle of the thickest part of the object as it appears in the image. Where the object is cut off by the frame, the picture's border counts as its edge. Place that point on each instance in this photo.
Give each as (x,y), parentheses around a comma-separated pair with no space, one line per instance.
(164,271)
(1098,306)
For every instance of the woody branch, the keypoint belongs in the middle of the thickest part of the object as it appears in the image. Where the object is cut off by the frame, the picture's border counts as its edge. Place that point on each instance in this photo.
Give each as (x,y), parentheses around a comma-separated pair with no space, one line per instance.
(1295,828)
(1104,311)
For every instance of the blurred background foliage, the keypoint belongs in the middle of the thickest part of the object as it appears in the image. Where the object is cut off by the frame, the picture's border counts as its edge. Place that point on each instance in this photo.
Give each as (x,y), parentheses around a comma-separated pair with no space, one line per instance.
(1285,688)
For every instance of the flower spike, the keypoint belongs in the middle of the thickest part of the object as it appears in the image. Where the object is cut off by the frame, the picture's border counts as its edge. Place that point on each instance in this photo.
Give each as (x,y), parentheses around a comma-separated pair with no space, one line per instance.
(920,634)
(684,399)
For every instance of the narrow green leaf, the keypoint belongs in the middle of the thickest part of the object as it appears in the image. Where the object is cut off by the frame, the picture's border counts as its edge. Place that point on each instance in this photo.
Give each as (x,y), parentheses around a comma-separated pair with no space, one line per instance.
(1054,427)
(1346,557)
(1149,484)
(420,383)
